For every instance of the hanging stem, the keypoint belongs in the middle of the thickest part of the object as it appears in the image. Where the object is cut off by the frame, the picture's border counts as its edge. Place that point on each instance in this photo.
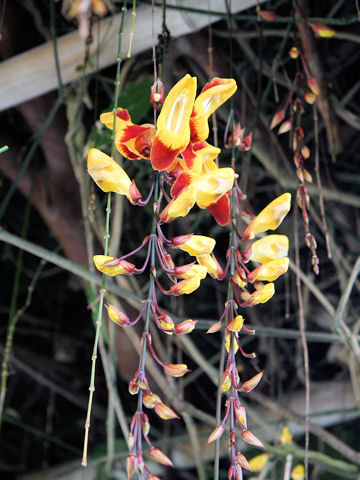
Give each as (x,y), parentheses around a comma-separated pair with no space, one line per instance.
(13,316)
(106,246)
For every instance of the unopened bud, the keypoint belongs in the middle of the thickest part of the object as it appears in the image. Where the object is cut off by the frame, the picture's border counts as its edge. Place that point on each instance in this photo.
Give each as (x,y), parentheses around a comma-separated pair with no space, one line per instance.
(252,383)
(185,327)
(249,437)
(215,434)
(157,455)
(176,369)
(277,119)
(242,461)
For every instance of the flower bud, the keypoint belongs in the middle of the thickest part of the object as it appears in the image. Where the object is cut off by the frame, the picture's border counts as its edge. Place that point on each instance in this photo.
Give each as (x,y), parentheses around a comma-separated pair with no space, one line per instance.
(225,381)
(165,323)
(250,438)
(310,97)
(277,119)
(322,30)
(145,424)
(294,52)
(133,387)
(131,465)
(117,316)
(242,461)
(267,15)
(131,441)
(185,327)
(236,324)
(150,400)
(313,85)
(240,415)
(285,127)
(252,383)
(176,369)
(215,327)
(157,455)
(215,434)
(165,412)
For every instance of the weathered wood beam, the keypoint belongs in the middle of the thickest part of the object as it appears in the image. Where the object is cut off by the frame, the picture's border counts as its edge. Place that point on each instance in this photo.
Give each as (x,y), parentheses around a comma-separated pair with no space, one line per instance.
(33,72)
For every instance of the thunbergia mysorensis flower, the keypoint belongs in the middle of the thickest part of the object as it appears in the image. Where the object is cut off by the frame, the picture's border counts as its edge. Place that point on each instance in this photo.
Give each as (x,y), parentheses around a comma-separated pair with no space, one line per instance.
(177,145)
(180,156)
(247,289)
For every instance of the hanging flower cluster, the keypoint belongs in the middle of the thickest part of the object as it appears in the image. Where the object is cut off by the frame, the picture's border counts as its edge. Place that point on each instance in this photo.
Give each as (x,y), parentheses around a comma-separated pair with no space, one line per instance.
(178,152)
(304,88)
(246,289)
(177,147)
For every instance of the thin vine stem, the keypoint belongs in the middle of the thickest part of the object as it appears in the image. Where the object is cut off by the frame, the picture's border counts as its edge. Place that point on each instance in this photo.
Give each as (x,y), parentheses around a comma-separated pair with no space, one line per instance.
(106,246)
(55,46)
(13,315)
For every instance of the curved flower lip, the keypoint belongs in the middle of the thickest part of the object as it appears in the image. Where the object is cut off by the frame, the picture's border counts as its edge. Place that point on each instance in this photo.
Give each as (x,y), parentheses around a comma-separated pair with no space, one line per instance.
(194,270)
(112,265)
(194,244)
(259,296)
(270,271)
(270,217)
(180,206)
(212,96)
(173,129)
(107,174)
(220,210)
(186,286)
(268,248)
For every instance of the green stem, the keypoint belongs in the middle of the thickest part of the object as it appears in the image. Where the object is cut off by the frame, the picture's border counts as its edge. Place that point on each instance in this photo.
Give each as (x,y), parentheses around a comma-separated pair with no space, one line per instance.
(4,149)
(13,317)
(106,246)
(346,295)
(131,36)
(56,53)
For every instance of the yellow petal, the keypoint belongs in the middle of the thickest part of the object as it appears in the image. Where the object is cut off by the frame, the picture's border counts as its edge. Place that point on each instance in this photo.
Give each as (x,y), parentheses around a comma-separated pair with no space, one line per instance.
(214,94)
(179,207)
(107,174)
(173,129)
(213,185)
(286,436)
(270,217)
(195,270)
(258,463)
(269,247)
(195,244)
(298,472)
(270,271)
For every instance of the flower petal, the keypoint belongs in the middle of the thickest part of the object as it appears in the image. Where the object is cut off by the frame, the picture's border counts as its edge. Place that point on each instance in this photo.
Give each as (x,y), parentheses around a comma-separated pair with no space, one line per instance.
(173,130)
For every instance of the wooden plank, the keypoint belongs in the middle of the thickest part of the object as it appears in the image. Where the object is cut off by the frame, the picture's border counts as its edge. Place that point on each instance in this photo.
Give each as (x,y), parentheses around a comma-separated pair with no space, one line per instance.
(33,72)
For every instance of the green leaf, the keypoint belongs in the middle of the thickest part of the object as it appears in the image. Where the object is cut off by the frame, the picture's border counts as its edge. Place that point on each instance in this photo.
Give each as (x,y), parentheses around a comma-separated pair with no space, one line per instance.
(136,99)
